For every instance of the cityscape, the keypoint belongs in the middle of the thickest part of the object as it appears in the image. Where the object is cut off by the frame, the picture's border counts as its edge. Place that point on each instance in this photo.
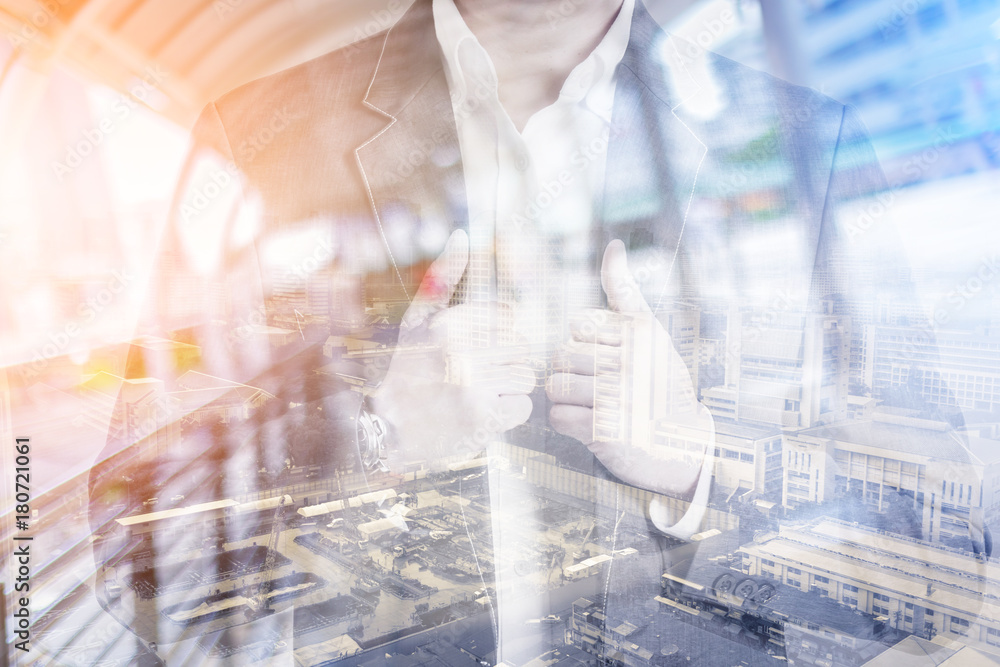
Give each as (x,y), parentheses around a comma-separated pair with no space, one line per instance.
(849,518)
(199,498)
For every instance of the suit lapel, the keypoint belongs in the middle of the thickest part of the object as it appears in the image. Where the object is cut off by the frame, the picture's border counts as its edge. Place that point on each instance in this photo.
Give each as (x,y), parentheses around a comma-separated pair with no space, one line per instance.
(653,163)
(412,167)
(654,155)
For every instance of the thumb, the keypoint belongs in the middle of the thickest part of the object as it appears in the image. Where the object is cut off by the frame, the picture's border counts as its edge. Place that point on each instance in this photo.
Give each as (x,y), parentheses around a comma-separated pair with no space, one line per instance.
(440,281)
(623,292)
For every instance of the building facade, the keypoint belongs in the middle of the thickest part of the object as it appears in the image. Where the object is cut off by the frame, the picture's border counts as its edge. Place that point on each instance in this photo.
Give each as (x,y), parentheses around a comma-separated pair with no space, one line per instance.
(918,588)
(946,482)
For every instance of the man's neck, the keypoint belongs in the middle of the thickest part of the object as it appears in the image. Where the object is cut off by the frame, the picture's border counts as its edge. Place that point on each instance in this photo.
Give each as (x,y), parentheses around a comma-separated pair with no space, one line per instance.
(535,44)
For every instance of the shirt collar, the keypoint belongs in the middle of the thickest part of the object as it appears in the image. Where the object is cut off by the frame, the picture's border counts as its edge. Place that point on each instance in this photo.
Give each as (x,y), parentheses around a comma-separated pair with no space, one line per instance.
(467,65)
(466,62)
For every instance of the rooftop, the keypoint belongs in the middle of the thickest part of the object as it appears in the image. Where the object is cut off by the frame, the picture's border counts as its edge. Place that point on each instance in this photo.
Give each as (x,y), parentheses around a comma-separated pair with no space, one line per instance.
(884,562)
(916,652)
(111,384)
(746,431)
(929,443)
(196,380)
(158,344)
(789,602)
(175,512)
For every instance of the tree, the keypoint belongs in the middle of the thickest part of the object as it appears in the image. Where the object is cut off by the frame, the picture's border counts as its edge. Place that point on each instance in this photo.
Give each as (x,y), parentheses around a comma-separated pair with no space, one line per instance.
(859,389)
(900,516)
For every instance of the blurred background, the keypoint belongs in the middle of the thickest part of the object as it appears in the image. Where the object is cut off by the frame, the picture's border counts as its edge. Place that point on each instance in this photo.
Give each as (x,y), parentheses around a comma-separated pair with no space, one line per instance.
(97,98)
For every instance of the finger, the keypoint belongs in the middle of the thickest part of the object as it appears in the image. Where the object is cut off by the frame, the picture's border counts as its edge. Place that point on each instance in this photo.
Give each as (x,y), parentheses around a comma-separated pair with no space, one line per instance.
(574,421)
(502,355)
(508,380)
(498,368)
(440,281)
(484,356)
(523,380)
(570,389)
(489,326)
(587,359)
(622,290)
(596,325)
(514,410)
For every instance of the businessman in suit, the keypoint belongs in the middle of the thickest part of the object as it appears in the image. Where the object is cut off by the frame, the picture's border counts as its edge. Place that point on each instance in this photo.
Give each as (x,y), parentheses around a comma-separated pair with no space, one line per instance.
(542,191)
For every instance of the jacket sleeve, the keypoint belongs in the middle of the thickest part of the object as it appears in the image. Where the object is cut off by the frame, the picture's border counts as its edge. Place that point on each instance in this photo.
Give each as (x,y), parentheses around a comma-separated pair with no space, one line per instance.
(202,407)
(863,269)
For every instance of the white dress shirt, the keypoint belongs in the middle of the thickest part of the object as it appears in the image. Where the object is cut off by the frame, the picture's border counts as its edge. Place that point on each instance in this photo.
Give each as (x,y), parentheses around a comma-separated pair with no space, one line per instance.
(531,198)
(532,194)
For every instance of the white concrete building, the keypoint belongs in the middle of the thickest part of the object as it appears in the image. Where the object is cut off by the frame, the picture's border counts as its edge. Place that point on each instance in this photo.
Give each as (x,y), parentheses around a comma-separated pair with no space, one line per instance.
(786,369)
(951,480)
(919,588)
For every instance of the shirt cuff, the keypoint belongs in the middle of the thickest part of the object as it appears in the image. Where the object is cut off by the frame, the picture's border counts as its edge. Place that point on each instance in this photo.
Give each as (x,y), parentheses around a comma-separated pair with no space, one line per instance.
(688,524)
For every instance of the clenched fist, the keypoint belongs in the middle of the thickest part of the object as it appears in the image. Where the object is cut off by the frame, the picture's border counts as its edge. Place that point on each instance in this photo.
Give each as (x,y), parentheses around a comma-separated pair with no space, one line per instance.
(452,384)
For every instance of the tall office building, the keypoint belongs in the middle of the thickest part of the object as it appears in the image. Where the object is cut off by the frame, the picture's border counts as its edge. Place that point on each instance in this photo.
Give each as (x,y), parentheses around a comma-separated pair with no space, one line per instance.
(952,368)
(787,369)
(876,309)
(648,377)
(946,483)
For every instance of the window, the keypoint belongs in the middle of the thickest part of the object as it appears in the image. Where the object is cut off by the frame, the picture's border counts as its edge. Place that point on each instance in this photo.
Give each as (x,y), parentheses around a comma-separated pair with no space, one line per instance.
(880,604)
(820,580)
(852,589)
(959,626)
(794,570)
(993,636)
